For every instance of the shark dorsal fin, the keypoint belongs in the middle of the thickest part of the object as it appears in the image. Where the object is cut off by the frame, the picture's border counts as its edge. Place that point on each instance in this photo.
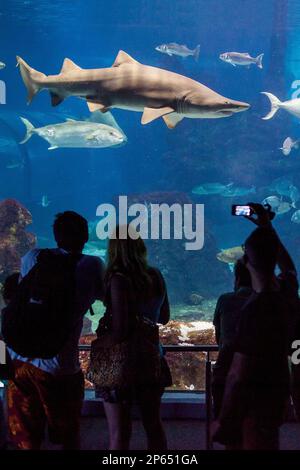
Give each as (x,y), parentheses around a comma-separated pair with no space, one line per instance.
(123,58)
(69,65)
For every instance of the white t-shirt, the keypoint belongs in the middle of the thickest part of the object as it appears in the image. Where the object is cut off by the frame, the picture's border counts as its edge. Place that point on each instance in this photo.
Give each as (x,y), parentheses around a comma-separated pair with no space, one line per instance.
(89,277)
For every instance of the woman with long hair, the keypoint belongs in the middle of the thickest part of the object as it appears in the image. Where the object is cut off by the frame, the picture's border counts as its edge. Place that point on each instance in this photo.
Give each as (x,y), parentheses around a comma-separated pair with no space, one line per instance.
(132,285)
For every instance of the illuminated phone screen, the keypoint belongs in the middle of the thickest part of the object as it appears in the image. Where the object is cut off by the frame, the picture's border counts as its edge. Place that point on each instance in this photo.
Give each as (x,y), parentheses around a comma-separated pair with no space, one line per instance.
(242,210)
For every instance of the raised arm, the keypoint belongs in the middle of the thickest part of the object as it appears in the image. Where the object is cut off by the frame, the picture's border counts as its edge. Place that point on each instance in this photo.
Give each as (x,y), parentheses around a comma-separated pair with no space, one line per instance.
(262,219)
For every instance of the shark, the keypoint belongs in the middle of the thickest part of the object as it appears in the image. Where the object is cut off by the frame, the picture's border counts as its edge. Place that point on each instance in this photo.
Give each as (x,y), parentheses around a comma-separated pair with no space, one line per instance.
(130,85)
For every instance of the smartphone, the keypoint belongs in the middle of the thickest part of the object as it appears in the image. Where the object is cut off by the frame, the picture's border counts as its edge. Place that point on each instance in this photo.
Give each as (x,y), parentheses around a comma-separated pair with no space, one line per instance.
(241,210)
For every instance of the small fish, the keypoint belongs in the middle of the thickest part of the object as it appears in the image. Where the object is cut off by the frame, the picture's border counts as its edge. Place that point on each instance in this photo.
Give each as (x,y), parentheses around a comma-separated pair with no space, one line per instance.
(294,195)
(79,134)
(180,50)
(283,208)
(45,201)
(211,188)
(2,65)
(242,58)
(6,143)
(14,164)
(291,106)
(282,186)
(296,217)
(273,201)
(234,191)
(288,146)
(230,255)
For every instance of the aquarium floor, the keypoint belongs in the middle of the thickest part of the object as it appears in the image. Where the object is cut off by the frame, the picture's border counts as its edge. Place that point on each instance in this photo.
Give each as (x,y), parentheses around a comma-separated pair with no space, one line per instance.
(182,435)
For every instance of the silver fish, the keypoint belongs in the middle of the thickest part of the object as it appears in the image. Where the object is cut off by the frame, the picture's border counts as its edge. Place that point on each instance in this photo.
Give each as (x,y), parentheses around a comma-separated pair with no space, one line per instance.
(296,217)
(45,201)
(211,188)
(291,106)
(180,50)
(283,208)
(282,186)
(78,134)
(273,201)
(2,65)
(132,86)
(234,191)
(288,146)
(294,195)
(242,58)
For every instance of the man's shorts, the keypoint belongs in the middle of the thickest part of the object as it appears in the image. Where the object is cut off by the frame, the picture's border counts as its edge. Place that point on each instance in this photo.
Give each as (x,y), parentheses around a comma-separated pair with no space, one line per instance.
(36,398)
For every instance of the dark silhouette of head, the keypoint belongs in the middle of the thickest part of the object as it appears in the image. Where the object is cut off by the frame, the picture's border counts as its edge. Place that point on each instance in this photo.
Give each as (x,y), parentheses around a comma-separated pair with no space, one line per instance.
(241,275)
(261,252)
(70,231)
(9,287)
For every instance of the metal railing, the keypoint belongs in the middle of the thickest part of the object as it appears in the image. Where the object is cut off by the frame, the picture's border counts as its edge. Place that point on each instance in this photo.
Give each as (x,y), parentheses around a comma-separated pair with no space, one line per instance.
(207,349)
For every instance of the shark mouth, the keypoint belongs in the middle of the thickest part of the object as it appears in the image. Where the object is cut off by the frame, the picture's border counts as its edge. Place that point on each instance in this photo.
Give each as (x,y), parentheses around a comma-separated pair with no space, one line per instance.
(225,113)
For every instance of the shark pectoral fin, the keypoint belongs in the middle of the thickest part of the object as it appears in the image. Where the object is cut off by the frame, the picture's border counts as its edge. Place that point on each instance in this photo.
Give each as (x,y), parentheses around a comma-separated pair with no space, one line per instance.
(53,147)
(123,58)
(150,114)
(172,119)
(93,106)
(69,65)
(56,99)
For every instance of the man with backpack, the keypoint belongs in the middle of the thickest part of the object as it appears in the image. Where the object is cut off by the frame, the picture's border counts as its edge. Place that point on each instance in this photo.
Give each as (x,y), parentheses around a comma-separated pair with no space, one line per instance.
(42,327)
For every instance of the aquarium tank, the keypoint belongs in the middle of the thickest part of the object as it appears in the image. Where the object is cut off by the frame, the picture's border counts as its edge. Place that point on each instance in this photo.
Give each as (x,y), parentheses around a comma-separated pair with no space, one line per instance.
(183,103)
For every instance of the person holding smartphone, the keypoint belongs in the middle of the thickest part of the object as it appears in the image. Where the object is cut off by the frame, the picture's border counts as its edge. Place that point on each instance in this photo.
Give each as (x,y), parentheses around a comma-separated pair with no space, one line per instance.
(257,385)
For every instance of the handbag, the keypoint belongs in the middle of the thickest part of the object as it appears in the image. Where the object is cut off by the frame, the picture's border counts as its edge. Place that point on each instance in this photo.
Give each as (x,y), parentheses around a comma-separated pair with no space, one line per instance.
(135,361)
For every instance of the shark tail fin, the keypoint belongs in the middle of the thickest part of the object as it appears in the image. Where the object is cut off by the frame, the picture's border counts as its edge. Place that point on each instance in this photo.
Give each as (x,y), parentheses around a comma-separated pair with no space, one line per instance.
(30,78)
(197,53)
(275,105)
(259,60)
(29,130)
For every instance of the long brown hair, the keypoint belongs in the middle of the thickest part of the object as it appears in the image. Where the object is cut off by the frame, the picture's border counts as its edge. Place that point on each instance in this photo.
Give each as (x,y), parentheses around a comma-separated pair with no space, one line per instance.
(128,256)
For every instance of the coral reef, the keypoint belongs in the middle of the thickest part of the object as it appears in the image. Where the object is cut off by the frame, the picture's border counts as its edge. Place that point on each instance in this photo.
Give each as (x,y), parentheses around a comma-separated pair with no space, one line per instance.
(188,368)
(14,240)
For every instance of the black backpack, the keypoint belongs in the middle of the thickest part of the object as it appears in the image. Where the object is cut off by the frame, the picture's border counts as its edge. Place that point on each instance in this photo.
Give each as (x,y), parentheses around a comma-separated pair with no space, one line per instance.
(38,321)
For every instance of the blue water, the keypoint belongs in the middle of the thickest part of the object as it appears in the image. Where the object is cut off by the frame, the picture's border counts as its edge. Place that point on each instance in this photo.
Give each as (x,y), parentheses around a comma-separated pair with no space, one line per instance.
(242,149)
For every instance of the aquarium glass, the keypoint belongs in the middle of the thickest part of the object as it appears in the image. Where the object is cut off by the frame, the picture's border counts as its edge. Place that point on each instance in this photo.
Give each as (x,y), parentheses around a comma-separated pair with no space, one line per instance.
(226,158)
